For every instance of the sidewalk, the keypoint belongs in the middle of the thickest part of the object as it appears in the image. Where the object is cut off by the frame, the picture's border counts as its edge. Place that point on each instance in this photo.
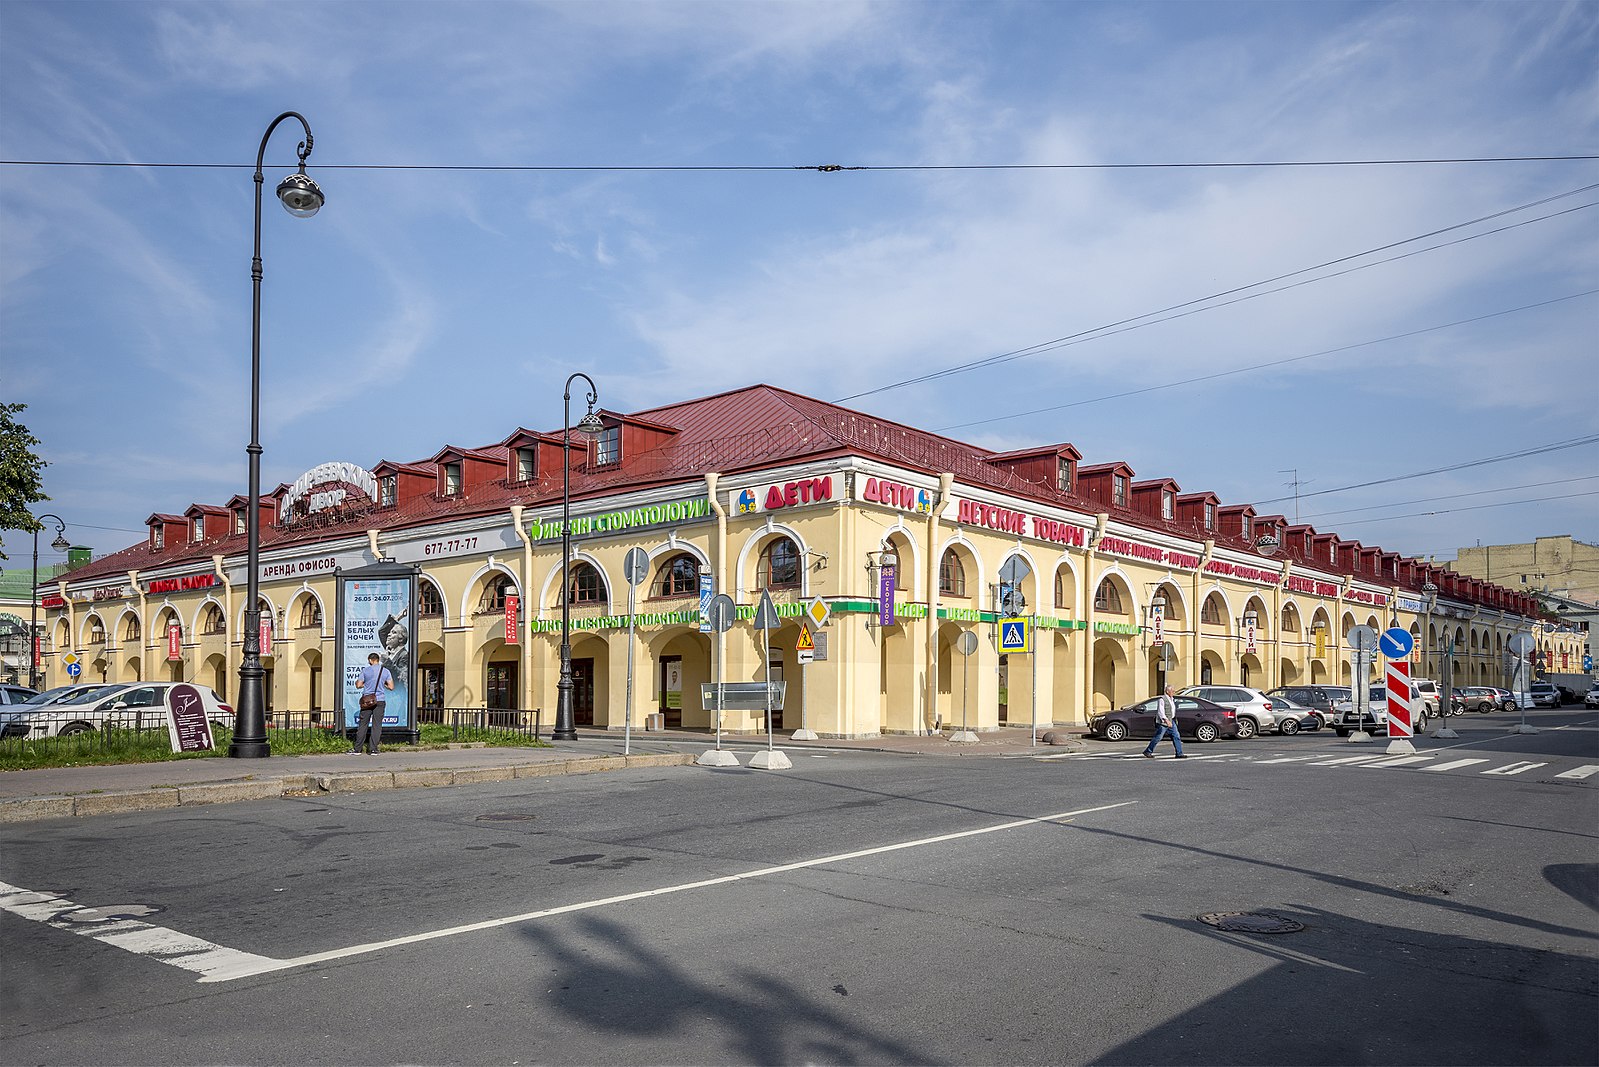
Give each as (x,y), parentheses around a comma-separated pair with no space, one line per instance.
(60,792)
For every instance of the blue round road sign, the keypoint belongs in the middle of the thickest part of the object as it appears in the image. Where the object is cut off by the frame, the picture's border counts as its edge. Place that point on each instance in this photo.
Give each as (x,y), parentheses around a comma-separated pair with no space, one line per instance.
(74,669)
(1396,643)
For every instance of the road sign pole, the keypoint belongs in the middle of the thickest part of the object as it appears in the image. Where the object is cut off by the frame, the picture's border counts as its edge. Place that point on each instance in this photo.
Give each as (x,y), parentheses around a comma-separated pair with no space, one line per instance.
(766,621)
(1035,679)
(719,616)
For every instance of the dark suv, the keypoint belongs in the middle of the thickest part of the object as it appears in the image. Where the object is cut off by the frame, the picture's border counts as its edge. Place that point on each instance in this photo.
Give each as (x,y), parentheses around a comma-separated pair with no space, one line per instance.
(1318,698)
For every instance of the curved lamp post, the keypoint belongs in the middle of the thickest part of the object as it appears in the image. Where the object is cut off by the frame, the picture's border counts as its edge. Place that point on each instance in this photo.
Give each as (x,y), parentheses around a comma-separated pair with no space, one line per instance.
(60,544)
(590,424)
(302,199)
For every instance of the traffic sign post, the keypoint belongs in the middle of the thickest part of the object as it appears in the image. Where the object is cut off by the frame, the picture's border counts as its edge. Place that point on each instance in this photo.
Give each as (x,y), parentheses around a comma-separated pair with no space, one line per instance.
(1362,641)
(635,568)
(1396,682)
(1522,646)
(766,621)
(965,644)
(805,653)
(719,615)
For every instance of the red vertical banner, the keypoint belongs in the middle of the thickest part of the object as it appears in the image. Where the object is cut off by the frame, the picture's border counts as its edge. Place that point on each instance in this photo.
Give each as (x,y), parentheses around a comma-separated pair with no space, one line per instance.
(36,647)
(266,637)
(511,603)
(174,642)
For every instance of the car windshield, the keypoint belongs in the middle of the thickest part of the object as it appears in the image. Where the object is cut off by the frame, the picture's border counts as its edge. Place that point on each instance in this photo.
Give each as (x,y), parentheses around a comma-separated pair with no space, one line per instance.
(85,696)
(48,696)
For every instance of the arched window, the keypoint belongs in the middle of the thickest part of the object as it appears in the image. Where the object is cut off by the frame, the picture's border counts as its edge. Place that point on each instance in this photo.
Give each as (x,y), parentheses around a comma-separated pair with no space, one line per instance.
(133,631)
(1210,613)
(951,574)
(586,588)
(96,631)
(494,593)
(1290,619)
(429,603)
(779,566)
(1063,598)
(1108,599)
(211,622)
(310,614)
(678,576)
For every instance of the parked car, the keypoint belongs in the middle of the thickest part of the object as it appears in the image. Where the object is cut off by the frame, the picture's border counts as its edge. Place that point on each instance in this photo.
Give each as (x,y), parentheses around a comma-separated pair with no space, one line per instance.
(16,694)
(1592,699)
(1545,695)
(62,693)
(1196,718)
(1292,717)
(1255,716)
(1318,698)
(1507,699)
(1375,721)
(1481,699)
(1425,690)
(136,706)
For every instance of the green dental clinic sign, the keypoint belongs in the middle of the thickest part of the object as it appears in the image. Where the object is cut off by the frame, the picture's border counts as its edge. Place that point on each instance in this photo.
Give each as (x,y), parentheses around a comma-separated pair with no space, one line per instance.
(626,519)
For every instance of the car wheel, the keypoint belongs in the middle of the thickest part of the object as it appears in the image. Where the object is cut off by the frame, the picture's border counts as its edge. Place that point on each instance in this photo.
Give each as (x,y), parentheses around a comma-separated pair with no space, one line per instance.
(74,728)
(1247,728)
(1420,726)
(1289,726)
(1115,731)
(1206,732)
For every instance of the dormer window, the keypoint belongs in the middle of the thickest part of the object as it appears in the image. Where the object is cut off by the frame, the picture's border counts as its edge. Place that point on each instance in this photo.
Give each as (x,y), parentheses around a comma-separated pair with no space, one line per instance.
(198,529)
(1168,505)
(527,465)
(388,490)
(1249,525)
(240,521)
(452,478)
(158,537)
(1063,476)
(1210,516)
(608,447)
(1118,490)
(1332,552)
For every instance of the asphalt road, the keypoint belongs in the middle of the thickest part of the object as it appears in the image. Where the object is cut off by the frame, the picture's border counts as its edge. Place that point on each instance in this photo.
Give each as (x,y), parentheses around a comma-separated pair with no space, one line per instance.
(859,908)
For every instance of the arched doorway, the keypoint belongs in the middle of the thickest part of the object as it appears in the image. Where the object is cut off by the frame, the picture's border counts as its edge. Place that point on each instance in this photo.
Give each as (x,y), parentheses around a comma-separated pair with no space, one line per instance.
(1112,679)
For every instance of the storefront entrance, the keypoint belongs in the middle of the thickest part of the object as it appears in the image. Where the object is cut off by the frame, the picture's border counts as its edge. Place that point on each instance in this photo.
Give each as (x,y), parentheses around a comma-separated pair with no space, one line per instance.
(501,692)
(669,692)
(583,692)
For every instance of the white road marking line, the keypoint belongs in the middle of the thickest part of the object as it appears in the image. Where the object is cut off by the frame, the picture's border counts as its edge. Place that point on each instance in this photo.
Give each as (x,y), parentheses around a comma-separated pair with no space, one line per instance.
(1400,762)
(1285,759)
(218,964)
(1455,764)
(1347,759)
(168,946)
(1516,768)
(1579,772)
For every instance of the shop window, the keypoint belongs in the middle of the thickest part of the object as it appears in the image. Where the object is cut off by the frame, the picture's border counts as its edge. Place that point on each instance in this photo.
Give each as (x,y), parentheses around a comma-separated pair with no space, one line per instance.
(679,576)
(1118,490)
(1108,599)
(951,574)
(494,593)
(527,464)
(608,446)
(1210,613)
(587,587)
(212,622)
(779,566)
(388,490)
(429,604)
(310,614)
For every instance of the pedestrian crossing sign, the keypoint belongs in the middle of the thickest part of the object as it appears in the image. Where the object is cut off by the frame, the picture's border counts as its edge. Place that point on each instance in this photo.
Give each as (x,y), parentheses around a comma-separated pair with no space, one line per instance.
(1015,635)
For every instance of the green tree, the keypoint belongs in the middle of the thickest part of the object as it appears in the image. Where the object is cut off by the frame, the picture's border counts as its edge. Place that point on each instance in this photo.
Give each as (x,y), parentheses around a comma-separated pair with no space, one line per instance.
(20,484)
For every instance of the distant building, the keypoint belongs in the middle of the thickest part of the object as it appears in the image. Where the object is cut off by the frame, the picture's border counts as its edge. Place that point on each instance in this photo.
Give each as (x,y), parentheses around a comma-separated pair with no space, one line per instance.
(1563,573)
(16,589)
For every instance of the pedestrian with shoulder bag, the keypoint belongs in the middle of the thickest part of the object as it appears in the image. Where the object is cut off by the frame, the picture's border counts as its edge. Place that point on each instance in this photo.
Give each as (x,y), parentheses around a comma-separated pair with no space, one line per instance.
(369,719)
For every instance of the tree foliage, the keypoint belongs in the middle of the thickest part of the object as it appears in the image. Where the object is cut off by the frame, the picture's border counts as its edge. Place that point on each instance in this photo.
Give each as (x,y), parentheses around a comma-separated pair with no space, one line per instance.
(20,483)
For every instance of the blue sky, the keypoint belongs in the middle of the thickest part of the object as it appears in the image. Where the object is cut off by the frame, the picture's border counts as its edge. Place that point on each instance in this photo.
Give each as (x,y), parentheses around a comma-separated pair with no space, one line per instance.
(430,307)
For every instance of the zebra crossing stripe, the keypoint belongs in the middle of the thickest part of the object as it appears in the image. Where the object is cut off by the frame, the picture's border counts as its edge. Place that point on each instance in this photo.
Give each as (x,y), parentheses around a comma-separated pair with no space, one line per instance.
(1579,772)
(1284,759)
(1516,768)
(1401,761)
(1346,759)
(1455,764)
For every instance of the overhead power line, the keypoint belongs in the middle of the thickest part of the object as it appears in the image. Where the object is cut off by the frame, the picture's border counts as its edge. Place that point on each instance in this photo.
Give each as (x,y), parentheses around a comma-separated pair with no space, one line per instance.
(1264,366)
(1137,321)
(1525,453)
(823,168)
(1482,507)
(1454,496)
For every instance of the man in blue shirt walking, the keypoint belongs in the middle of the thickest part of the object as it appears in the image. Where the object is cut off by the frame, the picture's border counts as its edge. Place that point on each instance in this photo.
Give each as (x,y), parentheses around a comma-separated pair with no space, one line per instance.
(1165,723)
(374,679)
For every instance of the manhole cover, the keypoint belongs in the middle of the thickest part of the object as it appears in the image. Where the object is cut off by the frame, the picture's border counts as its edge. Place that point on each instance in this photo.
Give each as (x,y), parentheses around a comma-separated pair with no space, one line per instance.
(1251,922)
(505,816)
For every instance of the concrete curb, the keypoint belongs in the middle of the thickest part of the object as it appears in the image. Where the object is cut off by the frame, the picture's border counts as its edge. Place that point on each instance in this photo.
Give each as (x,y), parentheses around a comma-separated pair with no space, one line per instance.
(81,805)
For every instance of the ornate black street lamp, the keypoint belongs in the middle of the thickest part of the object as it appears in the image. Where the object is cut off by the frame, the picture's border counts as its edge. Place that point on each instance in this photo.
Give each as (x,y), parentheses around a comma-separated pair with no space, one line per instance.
(590,425)
(302,199)
(60,544)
